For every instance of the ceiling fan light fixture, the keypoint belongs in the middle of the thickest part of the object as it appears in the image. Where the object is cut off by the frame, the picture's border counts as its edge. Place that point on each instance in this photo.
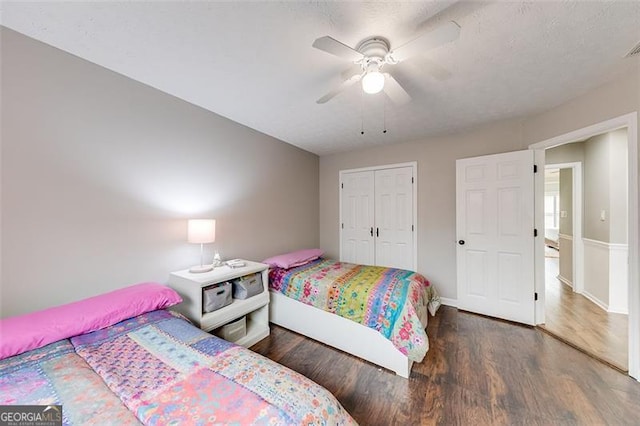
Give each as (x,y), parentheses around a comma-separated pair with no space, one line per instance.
(373,82)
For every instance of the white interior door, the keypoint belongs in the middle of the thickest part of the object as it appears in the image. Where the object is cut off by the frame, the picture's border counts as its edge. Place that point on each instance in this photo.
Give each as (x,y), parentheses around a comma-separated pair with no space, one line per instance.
(357,218)
(495,227)
(394,217)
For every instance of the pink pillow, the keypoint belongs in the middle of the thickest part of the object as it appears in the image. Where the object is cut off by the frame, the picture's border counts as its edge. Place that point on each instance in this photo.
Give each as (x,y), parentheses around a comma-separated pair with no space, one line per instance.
(295,258)
(35,330)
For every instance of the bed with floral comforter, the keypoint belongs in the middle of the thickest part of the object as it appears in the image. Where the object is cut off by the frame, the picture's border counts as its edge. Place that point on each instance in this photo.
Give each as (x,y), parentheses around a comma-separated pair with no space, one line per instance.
(156,368)
(391,301)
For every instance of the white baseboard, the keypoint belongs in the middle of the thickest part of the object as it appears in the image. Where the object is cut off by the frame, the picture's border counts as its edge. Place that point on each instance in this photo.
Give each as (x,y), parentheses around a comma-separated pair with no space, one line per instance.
(449,302)
(615,311)
(565,280)
(595,300)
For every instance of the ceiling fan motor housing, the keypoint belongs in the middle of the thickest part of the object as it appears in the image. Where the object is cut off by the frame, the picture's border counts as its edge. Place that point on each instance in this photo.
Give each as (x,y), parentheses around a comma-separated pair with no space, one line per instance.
(373,53)
(374,48)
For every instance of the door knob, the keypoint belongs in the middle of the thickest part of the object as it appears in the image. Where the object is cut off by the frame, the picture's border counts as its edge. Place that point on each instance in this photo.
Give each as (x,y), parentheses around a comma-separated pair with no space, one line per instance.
(461,242)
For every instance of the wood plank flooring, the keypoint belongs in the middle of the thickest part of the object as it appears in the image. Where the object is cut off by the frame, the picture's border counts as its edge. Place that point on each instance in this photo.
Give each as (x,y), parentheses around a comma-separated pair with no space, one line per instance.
(478,371)
(578,321)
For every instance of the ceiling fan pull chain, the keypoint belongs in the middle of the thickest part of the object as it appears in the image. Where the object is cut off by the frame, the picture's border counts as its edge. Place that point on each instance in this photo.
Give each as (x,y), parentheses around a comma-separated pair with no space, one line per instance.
(361,112)
(384,115)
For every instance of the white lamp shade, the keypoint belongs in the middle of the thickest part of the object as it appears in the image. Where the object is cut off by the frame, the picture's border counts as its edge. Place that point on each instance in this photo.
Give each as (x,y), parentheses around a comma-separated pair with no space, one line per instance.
(201,231)
(373,82)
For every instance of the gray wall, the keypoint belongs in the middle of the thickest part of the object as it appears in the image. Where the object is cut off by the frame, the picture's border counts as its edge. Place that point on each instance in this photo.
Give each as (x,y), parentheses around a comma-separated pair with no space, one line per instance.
(596,187)
(436,168)
(566,201)
(618,207)
(566,224)
(606,187)
(567,153)
(100,173)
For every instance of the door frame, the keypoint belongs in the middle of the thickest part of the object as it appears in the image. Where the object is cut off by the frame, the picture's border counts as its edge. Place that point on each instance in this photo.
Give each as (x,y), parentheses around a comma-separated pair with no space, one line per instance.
(576,206)
(630,122)
(414,166)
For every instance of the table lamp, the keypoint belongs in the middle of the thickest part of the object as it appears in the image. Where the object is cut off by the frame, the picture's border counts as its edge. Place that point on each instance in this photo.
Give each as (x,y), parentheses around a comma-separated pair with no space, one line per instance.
(201,231)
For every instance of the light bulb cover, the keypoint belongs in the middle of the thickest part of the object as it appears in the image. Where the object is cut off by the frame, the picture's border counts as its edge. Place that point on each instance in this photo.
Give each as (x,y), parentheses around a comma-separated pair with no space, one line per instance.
(373,82)
(201,231)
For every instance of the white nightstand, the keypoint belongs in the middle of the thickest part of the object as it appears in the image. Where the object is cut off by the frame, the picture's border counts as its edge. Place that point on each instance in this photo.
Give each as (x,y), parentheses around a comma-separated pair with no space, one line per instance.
(256,308)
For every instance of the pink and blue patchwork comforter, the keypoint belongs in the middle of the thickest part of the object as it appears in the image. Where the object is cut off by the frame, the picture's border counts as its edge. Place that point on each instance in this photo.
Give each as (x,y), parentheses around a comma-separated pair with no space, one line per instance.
(157,368)
(391,301)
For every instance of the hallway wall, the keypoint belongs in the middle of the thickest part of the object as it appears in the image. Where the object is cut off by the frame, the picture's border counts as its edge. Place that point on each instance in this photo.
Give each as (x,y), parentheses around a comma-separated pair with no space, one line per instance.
(605,212)
(565,240)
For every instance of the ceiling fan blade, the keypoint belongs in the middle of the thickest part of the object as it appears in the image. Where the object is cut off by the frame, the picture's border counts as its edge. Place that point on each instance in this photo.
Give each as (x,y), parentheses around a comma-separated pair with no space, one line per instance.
(423,65)
(434,70)
(344,85)
(441,35)
(333,46)
(351,71)
(396,93)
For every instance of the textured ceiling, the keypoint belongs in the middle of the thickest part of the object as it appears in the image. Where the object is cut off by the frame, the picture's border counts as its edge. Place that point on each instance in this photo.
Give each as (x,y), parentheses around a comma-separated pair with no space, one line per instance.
(253,62)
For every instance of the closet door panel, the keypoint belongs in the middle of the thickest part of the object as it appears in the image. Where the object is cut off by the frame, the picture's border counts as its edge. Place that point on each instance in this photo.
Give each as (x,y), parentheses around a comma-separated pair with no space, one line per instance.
(394,217)
(357,217)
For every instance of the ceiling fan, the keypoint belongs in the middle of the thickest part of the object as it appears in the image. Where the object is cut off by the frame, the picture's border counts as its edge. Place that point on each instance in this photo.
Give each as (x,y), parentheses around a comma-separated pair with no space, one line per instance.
(373,53)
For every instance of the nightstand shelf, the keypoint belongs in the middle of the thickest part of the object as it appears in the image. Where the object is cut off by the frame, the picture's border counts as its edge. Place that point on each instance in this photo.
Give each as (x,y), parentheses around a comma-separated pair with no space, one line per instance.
(256,308)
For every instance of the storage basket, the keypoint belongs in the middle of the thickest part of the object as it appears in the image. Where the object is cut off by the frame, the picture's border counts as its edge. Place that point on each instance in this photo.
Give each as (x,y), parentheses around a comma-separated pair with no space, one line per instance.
(235,330)
(216,297)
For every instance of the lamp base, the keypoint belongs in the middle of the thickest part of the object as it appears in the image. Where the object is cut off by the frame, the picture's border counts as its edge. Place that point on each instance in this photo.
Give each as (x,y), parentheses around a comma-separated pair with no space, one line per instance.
(200,269)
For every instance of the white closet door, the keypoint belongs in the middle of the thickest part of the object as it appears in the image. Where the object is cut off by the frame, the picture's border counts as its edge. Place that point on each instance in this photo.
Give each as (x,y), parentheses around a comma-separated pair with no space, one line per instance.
(394,217)
(357,218)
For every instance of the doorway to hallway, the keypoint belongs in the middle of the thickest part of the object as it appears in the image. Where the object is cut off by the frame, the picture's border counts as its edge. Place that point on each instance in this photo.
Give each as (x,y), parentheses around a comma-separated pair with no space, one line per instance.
(586,236)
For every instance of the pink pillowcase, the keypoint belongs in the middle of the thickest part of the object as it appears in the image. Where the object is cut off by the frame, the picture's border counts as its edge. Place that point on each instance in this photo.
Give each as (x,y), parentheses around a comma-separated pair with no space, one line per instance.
(295,258)
(35,330)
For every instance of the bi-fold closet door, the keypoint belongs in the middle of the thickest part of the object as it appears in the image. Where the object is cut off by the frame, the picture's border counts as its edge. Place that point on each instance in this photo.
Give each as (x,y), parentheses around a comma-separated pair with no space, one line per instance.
(377,217)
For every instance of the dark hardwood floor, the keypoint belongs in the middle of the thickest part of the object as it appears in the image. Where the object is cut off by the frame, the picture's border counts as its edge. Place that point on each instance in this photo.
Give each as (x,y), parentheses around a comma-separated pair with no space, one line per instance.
(478,371)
